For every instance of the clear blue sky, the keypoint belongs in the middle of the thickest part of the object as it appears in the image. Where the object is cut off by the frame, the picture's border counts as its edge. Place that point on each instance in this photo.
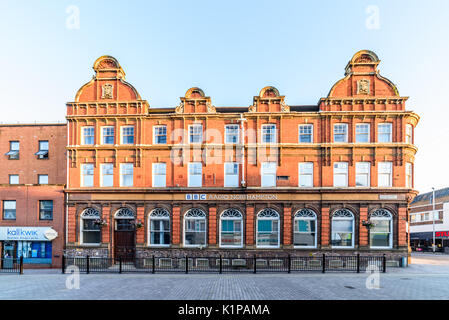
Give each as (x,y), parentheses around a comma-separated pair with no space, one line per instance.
(230,49)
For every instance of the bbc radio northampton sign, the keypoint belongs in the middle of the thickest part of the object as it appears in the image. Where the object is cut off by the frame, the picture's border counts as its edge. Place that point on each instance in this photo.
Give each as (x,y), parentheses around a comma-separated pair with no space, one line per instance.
(28,233)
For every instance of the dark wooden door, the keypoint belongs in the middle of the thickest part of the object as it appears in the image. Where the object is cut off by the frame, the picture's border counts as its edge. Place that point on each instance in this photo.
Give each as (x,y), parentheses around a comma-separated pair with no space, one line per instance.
(124,240)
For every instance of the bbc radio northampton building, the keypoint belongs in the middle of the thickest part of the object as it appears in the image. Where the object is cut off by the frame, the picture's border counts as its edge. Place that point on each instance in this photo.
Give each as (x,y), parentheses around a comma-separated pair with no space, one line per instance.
(269,178)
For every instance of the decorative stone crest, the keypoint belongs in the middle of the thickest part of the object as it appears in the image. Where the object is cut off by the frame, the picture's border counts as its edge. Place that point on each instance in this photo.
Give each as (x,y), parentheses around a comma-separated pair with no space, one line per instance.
(284,107)
(252,108)
(180,108)
(210,108)
(363,86)
(107,91)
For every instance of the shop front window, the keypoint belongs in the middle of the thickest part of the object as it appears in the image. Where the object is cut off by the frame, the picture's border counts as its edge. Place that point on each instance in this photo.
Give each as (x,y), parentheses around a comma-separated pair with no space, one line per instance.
(34,251)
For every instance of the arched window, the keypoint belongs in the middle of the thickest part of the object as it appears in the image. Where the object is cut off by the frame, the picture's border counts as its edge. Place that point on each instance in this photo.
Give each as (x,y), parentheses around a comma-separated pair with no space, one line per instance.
(159,227)
(194,228)
(90,226)
(304,233)
(343,229)
(231,231)
(124,220)
(381,234)
(267,235)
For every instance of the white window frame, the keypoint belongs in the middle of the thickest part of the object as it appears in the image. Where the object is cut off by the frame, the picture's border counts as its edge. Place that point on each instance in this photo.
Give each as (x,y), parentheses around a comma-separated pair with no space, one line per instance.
(343,125)
(298,217)
(156,134)
(122,135)
(186,218)
(390,238)
(390,133)
(14,175)
(262,174)
(154,166)
(307,134)
(409,133)
(192,133)
(83,135)
(41,175)
(159,214)
(83,217)
(380,164)
(352,232)
(346,174)
(233,218)
(103,136)
(122,168)
(409,175)
(278,218)
(233,134)
(83,175)
(302,174)
(263,134)
(357,173)
(227,177)
(102,168)
(358,125)
(189,169)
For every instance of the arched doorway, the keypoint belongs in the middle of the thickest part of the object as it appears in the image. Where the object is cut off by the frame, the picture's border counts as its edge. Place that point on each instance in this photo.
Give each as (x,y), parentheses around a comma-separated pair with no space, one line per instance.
(124,234)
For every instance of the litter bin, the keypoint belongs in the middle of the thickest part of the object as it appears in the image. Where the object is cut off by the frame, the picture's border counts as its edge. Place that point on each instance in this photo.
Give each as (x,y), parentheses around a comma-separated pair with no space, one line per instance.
(404,262)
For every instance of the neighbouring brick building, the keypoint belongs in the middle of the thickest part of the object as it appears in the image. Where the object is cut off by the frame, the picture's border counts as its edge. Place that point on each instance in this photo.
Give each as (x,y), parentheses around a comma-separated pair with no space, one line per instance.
(422,225)
(32,179)
(270,178)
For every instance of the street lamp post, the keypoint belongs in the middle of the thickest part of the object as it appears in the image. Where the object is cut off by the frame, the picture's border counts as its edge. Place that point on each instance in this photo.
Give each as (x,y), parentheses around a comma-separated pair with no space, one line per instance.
(433,219)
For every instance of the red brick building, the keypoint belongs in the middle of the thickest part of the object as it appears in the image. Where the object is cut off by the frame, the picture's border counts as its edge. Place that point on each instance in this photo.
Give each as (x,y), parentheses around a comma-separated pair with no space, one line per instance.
(270,177)
(33,176)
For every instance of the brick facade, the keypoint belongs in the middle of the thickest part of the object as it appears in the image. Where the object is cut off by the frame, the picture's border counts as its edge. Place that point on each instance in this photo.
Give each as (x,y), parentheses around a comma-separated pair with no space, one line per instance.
(362,96)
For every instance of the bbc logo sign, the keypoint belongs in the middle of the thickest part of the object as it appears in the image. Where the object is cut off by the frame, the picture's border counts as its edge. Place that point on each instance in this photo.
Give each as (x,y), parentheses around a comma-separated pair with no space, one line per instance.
(195,197)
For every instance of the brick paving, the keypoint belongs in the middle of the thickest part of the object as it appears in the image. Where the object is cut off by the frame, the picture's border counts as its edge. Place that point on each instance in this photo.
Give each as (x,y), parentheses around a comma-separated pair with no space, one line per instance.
(428,278)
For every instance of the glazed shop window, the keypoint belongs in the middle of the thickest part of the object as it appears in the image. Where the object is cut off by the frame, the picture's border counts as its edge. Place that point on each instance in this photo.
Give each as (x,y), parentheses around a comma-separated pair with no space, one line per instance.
(341,132)
(88,135)
(9,210)
(304,232)
(42,153)
(343,229)
(159,223)
(35,251)
(160,135)
(267,229)
(87,175)
(231,234)
(13,153)
(232,133)
(384,133)
(194,228)
(128,135)
(380,235)
(90,229)
(107,135)
(362,132)
(45,209)
(306,133)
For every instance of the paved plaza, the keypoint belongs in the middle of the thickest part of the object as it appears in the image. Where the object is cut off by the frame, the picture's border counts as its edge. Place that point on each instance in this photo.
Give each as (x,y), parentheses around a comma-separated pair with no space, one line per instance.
(426,278)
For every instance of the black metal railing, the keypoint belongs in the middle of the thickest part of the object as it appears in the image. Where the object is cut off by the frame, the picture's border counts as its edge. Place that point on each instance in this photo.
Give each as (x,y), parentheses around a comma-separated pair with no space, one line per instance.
(256,264)
(11,265)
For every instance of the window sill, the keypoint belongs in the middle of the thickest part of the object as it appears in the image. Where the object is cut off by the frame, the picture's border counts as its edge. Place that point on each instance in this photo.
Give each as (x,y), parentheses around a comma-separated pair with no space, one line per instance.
(304,247)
